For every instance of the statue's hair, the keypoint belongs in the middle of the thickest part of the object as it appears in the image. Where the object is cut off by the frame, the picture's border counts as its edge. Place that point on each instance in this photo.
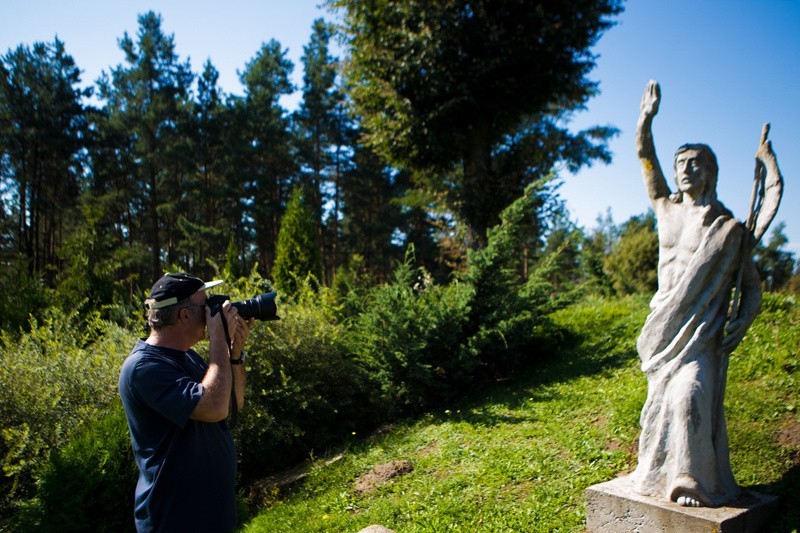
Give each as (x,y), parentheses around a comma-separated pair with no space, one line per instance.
(707,159)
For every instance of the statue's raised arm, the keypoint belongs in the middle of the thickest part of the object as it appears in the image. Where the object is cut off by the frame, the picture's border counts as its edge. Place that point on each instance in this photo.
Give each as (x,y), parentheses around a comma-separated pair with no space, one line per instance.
(651,169)
(771,187)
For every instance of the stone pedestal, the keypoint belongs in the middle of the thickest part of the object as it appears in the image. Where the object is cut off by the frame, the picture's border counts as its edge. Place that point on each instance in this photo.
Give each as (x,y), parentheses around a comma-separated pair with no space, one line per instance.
(613,507)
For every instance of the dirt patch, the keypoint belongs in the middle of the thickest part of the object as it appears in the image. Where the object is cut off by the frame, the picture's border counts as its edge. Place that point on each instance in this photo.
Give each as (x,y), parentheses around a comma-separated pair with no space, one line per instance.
(789,436)
(381,474)
(616,445)
(427,450)
(266,491)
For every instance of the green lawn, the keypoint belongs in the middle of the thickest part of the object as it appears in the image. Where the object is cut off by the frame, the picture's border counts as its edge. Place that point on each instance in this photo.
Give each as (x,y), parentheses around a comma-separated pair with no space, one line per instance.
(518,456)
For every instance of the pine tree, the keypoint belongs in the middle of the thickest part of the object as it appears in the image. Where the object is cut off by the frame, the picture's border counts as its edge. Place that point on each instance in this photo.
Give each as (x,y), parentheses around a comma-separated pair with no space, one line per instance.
(42,128)
(147,104)
(267,164)
(324,135)
(446,88)
(298,254)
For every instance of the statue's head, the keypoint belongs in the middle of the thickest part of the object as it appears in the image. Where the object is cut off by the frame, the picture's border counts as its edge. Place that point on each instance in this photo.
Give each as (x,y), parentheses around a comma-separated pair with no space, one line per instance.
(696,170)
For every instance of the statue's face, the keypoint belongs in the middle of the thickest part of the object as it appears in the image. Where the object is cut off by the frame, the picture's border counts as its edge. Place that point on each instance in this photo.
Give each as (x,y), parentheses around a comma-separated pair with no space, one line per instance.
(691,175)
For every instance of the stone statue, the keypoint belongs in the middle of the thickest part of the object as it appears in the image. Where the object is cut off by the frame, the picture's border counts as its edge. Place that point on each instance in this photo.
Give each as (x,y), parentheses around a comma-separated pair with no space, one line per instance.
(704,256)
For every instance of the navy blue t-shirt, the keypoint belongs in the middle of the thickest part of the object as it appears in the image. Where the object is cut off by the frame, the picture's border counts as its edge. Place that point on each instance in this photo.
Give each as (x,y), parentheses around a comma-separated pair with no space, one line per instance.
(187,468)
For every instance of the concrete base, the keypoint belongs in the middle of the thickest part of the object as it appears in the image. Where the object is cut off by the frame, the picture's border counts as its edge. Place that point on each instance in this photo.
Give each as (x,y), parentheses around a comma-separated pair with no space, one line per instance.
(613,507)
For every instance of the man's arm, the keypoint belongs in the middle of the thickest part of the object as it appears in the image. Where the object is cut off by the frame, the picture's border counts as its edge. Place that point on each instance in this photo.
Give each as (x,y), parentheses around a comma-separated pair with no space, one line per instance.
(654,180)
(239,374)
(215,401)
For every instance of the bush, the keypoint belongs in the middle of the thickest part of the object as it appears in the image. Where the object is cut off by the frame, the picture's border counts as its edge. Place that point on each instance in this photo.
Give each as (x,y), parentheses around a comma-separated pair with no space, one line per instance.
(54,379)
(304,391)
(425,343)
(408,339)
(22,292)
(506,312)
(89,484)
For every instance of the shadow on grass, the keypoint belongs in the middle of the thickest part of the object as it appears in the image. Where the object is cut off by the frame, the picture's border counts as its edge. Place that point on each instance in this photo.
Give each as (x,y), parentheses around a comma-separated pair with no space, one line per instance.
(787,516)
(562,354)
(574,356)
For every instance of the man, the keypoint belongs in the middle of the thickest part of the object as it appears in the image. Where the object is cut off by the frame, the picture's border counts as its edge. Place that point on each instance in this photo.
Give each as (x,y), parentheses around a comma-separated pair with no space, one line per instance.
(685,343)
(176,405)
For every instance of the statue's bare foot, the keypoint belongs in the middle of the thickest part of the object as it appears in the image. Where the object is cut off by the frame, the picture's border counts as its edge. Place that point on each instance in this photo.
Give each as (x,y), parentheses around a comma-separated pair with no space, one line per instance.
(688,501)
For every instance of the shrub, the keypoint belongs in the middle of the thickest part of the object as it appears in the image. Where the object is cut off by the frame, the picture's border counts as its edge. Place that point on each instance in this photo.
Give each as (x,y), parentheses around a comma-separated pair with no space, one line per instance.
(303,389)
(408,339)
(506,312)
(89,484)
(55,379)
(22,292)
(425,343)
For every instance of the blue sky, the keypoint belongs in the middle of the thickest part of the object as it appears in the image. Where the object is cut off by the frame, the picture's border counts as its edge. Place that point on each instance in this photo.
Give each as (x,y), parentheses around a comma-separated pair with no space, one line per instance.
(725,68)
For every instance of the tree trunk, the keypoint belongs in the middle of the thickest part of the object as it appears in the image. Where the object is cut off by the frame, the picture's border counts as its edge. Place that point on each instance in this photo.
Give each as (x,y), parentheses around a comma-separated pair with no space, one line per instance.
(476,190)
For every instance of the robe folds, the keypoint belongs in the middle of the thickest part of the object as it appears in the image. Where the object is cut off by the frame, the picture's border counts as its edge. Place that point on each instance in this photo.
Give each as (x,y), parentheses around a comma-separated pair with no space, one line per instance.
(683,447)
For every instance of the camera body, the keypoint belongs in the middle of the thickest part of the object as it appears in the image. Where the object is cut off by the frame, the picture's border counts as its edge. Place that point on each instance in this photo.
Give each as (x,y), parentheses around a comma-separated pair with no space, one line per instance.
(262,307)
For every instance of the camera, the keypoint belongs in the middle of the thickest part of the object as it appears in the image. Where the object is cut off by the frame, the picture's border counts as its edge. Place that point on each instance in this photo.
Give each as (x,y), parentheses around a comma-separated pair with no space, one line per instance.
(262,307)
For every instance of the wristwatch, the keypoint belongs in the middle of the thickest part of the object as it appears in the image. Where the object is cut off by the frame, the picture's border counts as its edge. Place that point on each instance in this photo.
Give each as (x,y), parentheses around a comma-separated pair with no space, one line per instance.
(239,361)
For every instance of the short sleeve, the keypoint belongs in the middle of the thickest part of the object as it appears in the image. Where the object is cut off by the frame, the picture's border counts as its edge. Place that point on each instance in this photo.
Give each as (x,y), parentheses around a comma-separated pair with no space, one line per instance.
(167,389)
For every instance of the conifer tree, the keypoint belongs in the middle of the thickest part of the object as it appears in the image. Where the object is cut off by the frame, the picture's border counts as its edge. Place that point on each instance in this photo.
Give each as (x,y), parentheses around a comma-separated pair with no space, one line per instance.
(324,135)
(42,128)
(298,254)
(445,88)
(267,166)
(147,104)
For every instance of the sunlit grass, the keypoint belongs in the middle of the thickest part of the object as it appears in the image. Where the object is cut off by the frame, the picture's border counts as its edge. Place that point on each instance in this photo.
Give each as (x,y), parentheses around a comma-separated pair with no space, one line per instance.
(519,456)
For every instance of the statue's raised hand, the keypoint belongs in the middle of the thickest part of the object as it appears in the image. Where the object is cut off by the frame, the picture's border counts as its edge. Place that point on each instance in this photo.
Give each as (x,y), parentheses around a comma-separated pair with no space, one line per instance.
(651,99)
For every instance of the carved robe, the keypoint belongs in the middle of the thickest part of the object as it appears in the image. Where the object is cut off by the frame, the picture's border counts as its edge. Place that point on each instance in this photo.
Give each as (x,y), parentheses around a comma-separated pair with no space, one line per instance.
(683,448)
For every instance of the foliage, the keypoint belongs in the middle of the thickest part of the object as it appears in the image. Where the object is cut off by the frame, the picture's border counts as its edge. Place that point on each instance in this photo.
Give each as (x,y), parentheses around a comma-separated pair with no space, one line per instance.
(56,378)
(25,295)
(519,456)
(297,254)
(775,264)
(463,84)
(408,339)
(594,247)
(89,484)
(42,122)
(426,343)
(303,390)
(505,313)
(632,265)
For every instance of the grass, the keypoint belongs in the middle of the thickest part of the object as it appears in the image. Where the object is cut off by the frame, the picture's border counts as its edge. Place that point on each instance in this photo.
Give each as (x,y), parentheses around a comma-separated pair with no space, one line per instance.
(519,455)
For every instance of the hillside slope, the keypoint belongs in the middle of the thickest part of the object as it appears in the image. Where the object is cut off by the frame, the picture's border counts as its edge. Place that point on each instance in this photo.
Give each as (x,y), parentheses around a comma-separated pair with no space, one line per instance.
(518,456)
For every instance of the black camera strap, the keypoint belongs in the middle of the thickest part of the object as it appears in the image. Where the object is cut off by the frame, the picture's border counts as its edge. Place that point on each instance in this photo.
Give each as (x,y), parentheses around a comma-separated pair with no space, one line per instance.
(234,407)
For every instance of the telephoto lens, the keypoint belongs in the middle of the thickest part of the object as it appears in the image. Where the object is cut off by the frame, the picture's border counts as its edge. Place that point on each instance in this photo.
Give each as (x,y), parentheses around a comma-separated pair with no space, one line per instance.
(262,307)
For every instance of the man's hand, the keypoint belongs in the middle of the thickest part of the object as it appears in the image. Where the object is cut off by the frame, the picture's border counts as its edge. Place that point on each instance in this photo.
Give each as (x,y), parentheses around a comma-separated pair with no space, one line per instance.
(242,332)
(651,99)
(214,323)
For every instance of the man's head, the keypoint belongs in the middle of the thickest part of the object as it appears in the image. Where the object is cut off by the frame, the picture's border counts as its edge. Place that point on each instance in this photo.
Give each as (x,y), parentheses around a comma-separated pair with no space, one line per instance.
(173,293)
(696,170)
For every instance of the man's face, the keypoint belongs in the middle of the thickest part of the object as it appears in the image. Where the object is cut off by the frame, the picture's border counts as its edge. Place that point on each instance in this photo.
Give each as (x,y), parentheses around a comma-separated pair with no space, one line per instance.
(691,175)
(197,314)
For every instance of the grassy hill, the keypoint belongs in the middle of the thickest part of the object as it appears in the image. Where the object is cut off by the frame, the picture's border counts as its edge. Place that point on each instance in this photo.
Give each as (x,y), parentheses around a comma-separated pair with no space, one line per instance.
(519,455)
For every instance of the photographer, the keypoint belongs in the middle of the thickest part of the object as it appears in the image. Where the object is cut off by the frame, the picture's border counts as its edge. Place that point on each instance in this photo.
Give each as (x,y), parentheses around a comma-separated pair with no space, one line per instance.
(176,404)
